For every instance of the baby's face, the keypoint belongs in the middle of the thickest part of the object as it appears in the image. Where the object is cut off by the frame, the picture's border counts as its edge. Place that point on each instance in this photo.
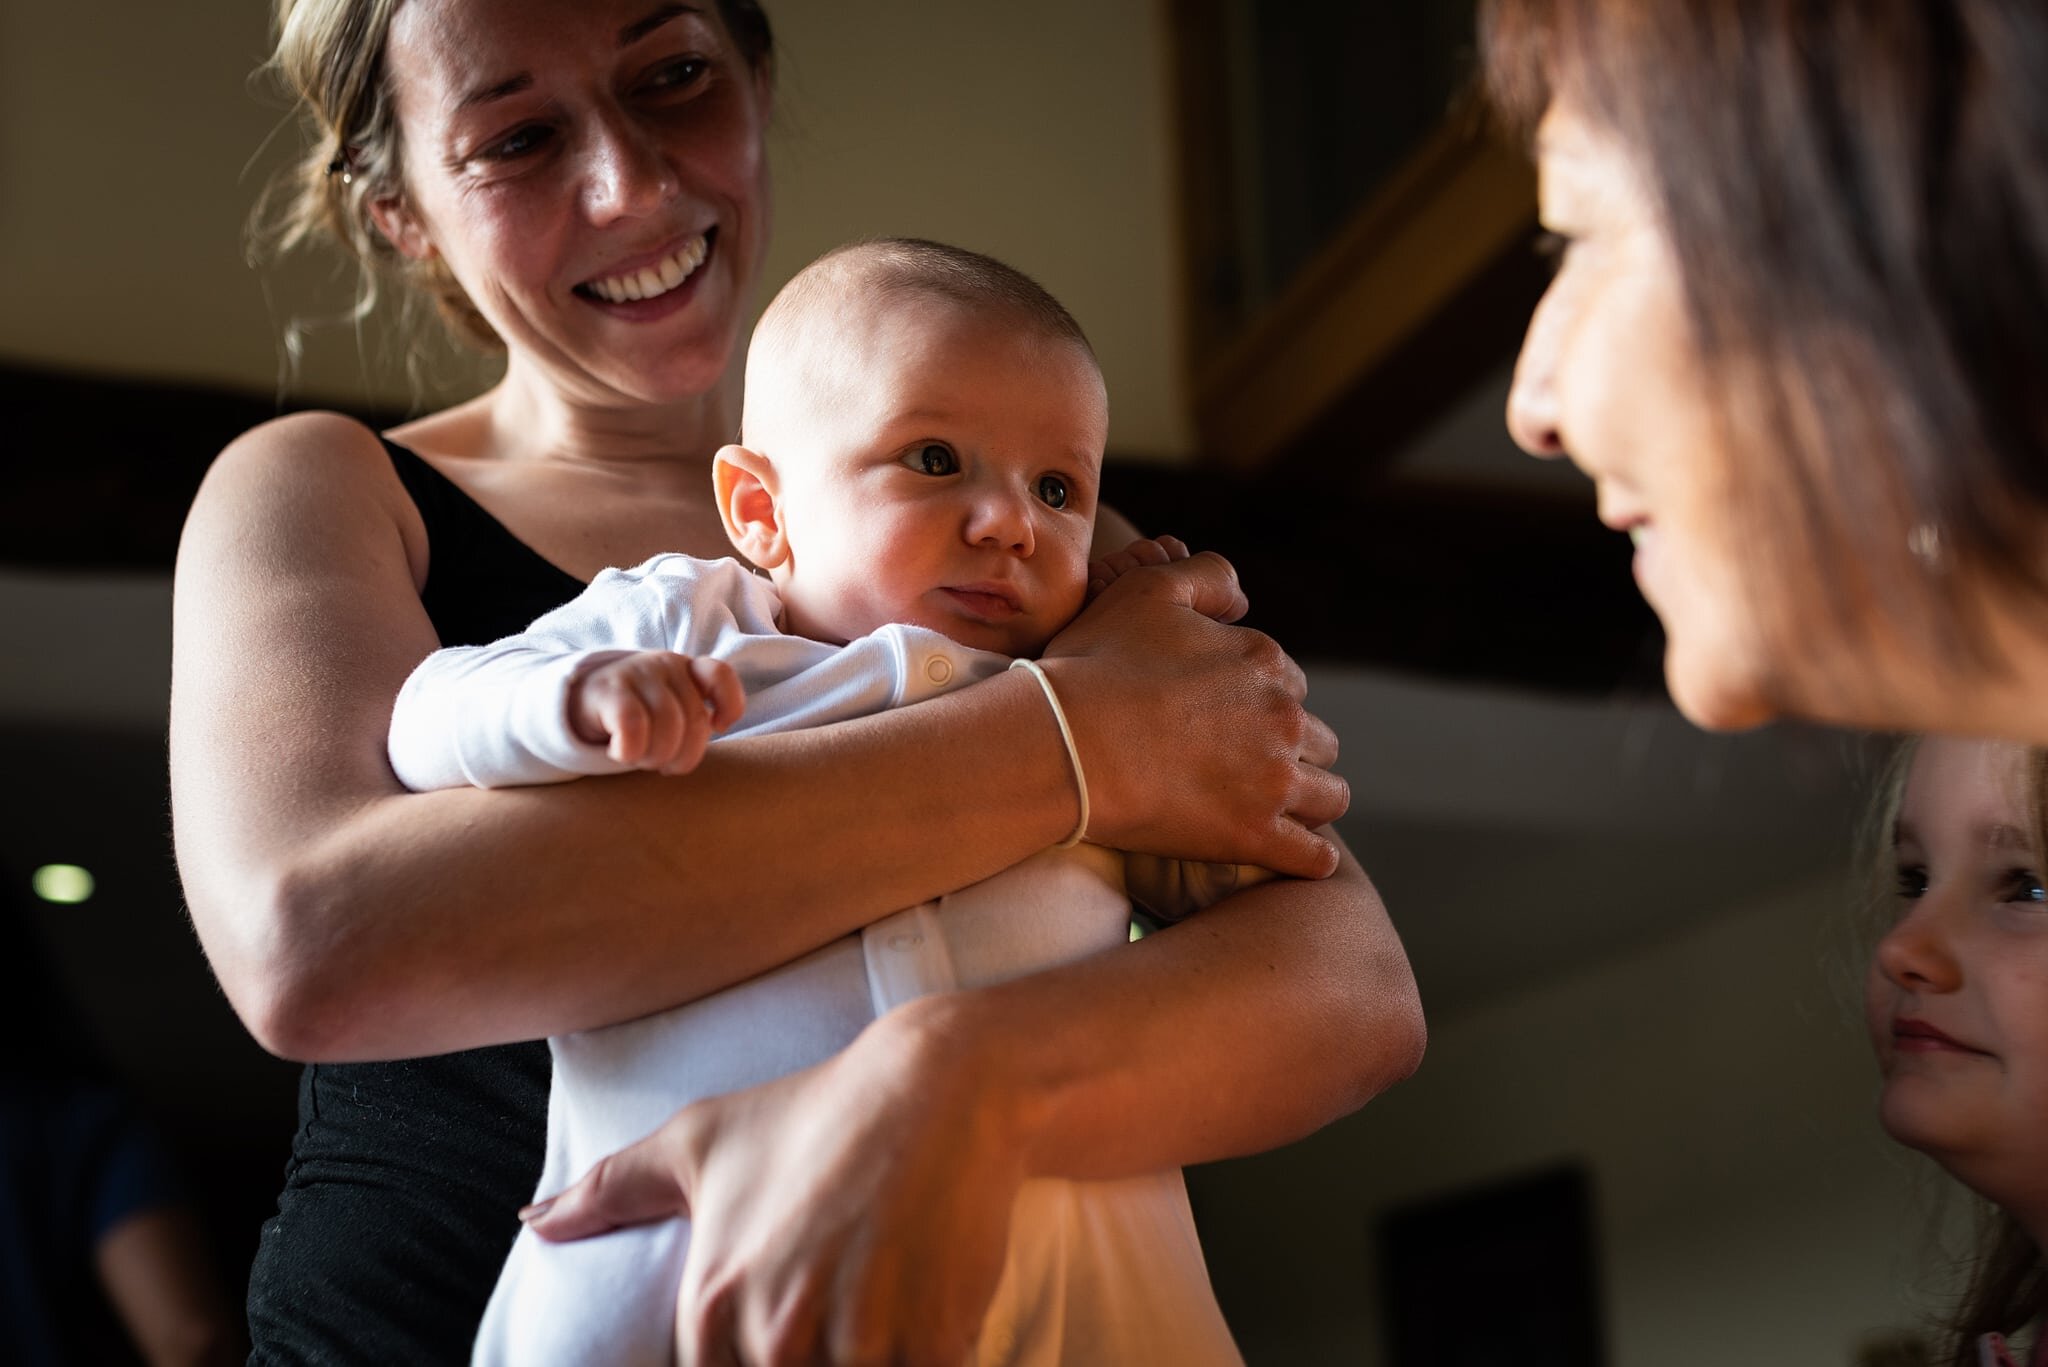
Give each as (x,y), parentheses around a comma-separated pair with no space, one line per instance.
(950,482)
(1958,989)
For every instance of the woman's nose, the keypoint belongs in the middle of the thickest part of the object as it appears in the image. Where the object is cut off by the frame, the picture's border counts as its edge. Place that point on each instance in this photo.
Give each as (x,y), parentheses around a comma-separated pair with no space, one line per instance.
(629,173)
(1916,953)
(1532,401)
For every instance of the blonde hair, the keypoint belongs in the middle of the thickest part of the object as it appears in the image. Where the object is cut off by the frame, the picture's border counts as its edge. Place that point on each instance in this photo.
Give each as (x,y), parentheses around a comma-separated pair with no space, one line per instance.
(329,59)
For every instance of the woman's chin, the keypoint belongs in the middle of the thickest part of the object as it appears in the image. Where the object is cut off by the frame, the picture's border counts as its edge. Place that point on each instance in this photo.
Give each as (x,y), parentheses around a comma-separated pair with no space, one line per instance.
(1714,695)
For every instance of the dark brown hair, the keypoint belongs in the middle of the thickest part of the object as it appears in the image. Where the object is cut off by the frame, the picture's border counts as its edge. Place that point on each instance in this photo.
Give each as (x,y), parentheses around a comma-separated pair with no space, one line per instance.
(329,59)
(1856,192)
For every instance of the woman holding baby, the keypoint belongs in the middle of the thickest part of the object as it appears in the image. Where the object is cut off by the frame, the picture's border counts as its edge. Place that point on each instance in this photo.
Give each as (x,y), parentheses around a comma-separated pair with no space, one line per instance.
(584,186)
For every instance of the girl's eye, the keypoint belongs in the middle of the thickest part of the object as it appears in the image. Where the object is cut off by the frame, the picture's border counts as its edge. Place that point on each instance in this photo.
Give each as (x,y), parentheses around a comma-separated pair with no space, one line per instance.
(1912,884)
(519,142)
(1052,491)
(2023,885)
(934,458)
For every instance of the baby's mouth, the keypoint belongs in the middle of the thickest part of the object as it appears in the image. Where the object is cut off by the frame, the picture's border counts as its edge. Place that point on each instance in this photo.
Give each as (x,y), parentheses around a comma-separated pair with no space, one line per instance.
(651,282)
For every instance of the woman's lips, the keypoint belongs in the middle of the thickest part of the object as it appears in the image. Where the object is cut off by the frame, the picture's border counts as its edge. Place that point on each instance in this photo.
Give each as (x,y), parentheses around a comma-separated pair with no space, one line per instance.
(1918,1037)
(606,293)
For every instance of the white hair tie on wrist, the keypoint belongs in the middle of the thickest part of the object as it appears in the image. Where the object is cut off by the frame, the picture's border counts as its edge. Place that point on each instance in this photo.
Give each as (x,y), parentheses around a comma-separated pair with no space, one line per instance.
(1059,715)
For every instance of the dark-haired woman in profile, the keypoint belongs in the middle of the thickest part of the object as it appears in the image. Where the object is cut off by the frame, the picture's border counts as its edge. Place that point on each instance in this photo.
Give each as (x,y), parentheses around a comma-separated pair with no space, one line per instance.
(1799,338)
(581,183)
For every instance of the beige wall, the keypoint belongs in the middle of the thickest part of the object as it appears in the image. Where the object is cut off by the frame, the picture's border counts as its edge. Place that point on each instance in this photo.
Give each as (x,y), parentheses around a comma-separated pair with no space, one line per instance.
(129,155)
(1717,1087)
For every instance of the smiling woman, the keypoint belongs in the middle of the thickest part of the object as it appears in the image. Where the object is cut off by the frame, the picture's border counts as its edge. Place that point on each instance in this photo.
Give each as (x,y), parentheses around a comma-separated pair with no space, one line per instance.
(583,185)
(1796,336)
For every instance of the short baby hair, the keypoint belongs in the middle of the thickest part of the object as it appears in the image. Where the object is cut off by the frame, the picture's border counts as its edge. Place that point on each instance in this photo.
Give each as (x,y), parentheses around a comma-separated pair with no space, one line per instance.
(918,267)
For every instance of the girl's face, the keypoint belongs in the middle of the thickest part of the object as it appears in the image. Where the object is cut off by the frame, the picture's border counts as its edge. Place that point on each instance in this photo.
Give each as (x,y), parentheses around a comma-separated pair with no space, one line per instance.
(1609,377)
(1957,999)
(591,172)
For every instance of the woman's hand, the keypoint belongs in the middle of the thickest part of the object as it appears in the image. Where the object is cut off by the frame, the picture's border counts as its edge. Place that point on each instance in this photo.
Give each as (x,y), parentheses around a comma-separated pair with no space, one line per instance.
(855,1212)
(1145,550)
(1152,657)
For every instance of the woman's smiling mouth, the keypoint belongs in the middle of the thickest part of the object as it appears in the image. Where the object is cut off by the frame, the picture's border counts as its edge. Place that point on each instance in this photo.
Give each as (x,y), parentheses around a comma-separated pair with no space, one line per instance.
(655,279)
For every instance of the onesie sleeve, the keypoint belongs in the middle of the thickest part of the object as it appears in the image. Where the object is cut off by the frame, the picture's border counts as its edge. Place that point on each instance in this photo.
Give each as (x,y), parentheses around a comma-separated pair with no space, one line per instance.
(496,716)
(1172,889)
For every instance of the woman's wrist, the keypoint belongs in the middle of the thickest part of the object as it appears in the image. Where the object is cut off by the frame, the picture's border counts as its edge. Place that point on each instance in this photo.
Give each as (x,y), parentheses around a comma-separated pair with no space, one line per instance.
(952,1062)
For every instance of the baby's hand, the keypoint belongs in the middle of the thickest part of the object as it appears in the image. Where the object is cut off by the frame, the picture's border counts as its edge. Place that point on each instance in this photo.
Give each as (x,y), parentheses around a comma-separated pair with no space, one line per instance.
(654,709)
(1144,551)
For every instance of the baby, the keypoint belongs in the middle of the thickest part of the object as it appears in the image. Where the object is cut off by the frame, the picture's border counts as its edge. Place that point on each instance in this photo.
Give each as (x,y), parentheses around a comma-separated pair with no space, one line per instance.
(921,452)
(1958,1012)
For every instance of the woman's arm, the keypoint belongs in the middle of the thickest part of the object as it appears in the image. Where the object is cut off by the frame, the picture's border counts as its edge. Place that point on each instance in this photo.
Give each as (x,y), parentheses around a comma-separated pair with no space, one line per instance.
(1259,1020)
(346,918)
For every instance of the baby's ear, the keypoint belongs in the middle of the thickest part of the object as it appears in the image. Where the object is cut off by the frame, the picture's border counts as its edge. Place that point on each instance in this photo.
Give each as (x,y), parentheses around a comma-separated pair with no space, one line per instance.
(745,481)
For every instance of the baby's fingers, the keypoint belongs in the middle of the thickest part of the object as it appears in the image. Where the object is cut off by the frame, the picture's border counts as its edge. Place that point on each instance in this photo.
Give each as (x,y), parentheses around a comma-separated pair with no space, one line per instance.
(720,687)
(625,718)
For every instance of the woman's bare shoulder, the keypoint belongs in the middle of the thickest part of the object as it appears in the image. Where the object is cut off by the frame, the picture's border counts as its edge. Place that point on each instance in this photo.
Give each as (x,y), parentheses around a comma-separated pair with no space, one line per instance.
(307,440)
(299,481)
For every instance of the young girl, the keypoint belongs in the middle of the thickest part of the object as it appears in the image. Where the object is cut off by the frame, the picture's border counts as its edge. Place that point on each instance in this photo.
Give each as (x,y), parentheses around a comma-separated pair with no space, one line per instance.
(1957,1006)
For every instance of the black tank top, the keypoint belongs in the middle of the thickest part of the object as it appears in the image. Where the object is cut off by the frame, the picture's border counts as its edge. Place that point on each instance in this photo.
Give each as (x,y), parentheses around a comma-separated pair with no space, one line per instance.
(400,1197)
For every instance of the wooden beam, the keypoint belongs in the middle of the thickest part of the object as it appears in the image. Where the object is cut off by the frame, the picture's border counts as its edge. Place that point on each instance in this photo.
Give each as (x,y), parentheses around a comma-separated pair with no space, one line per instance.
(1461,205)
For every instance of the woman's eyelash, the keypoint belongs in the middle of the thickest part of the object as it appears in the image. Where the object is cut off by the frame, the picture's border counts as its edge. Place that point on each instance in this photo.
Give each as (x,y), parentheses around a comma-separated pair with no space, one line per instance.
(521,141)
(674,75)
(1911,881)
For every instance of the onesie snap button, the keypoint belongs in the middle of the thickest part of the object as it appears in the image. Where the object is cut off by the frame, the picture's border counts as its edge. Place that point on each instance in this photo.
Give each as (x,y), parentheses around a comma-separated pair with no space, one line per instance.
(938,669)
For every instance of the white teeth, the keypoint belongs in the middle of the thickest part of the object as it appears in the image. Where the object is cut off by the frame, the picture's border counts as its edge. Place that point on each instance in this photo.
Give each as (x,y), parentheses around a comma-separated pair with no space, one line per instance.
(1636,535)
(650,281)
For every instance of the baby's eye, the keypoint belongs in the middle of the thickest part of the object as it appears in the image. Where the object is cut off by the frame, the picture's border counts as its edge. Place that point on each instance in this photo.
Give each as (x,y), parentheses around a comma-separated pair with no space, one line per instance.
(1912,884)
(934,458)
(2023,885)
(1052,491)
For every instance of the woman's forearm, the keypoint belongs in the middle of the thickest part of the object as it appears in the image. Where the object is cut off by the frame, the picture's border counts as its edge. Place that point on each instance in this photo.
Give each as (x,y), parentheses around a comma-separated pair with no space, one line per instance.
(1249,1025)
(418,923)
(348,919)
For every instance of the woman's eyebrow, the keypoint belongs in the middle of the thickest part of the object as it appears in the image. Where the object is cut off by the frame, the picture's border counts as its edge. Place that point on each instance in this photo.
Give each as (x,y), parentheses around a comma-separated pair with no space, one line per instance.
(635,31)
(629,35)
(511,85)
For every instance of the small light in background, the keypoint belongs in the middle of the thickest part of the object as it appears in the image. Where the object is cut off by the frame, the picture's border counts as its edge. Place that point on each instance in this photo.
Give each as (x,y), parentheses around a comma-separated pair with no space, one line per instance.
(66,883)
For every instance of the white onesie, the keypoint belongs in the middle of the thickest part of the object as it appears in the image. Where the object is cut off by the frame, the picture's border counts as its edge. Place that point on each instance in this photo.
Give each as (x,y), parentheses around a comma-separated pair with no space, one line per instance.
(1096,1272)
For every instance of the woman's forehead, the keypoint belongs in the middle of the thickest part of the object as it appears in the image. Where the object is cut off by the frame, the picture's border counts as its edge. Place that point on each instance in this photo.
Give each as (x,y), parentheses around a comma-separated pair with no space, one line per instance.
(467,50)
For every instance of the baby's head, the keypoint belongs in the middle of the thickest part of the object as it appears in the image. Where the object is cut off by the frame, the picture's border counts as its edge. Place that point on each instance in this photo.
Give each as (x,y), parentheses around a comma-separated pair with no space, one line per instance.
(1958,987)
(922,443)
